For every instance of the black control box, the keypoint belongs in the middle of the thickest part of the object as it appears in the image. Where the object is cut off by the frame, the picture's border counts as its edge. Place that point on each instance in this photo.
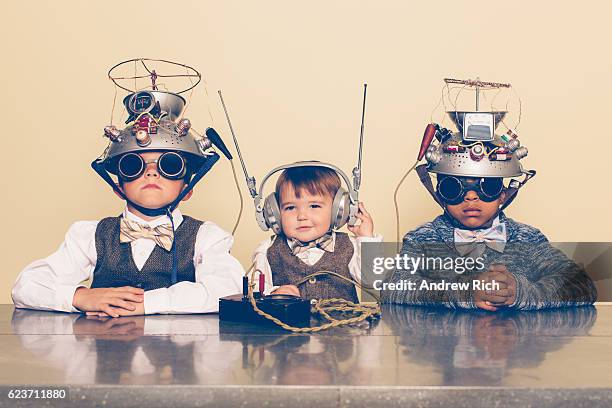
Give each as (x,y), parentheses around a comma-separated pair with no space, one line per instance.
(291,310)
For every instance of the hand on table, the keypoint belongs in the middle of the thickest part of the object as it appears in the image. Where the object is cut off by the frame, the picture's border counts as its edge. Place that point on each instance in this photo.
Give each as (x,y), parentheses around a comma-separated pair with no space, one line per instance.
(491,300)
(287,290)
(113,302)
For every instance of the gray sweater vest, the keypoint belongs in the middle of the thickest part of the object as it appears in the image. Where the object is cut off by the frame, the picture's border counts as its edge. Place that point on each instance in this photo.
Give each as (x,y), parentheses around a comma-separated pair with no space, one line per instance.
(288,269)
(115,266)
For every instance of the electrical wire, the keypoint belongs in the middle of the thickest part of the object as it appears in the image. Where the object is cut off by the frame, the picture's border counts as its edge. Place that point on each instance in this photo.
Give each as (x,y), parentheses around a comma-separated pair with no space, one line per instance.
(239,195)
(397,215)
(323,307)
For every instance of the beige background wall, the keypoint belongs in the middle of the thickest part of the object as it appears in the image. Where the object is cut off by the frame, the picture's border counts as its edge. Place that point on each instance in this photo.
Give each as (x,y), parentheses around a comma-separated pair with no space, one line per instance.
(291,73)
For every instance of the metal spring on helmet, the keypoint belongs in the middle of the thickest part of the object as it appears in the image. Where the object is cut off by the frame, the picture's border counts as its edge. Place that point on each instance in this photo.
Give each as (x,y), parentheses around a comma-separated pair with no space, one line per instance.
(112,133)
(182,128)
(521,152)
(433,155)
(142,138)
(513,144)
(204,144)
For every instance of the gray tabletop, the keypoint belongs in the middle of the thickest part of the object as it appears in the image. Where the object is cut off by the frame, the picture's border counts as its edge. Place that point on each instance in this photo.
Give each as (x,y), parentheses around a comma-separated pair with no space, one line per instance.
(412,356)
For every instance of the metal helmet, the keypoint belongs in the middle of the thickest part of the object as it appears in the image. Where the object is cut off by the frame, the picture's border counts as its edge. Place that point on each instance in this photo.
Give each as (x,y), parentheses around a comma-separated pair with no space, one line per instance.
(155,124)
(475,150)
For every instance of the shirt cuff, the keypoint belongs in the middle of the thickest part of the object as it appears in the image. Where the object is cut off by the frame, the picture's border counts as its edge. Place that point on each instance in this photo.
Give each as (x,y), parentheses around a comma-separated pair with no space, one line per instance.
(64,296)
(157,301)
(375,238)
(269,290)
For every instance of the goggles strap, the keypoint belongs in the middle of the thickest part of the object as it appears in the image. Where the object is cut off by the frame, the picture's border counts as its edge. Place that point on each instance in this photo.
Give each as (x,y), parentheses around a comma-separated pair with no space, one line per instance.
(209,162)
(426,181)
(98,166)
(512,190)
(174,276)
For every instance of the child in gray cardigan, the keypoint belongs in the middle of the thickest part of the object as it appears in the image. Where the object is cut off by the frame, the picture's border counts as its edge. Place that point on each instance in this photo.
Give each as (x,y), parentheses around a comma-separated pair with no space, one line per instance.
(532,274)
(503,263)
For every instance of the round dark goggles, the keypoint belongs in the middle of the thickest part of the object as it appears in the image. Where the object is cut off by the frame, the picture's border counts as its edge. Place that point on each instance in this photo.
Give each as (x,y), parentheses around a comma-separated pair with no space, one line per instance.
(170,165)
(452,190)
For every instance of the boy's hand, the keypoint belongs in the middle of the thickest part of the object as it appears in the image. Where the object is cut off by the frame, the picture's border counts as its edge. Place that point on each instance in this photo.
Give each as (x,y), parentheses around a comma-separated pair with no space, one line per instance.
(130,328)
(366,227)
(491,300)
(287,290)
(507,285)
(139,310)
(114,302)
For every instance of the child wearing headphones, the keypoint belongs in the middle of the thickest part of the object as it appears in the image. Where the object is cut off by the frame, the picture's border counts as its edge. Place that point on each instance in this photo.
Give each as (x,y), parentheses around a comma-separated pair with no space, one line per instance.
(309,200)
(503,263)
(151,258)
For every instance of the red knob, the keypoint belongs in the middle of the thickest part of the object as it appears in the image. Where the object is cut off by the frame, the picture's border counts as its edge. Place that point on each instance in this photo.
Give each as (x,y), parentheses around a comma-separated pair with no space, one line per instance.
(262,283)
(428,135)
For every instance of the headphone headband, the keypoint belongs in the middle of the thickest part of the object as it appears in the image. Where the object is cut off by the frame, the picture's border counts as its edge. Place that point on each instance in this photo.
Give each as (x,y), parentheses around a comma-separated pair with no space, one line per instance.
(267,211)
(353,194)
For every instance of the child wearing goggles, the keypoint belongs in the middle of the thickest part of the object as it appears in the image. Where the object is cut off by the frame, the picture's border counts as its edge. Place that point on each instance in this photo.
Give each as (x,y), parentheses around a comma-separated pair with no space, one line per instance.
(152,179)
(151,258)
(473,256)
(473,202)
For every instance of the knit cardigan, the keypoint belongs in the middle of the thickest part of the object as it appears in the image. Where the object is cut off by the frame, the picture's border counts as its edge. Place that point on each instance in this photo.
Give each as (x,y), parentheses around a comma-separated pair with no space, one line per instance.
(545,277)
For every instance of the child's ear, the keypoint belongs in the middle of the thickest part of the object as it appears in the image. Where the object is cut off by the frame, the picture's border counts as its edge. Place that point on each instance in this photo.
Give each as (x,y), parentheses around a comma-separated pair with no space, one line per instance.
(502,198)
(188,195)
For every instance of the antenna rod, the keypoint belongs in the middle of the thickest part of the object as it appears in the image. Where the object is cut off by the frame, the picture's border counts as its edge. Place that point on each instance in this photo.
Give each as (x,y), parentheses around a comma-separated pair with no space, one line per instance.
(357,170)
(471,82)
(250,180)
(478,84)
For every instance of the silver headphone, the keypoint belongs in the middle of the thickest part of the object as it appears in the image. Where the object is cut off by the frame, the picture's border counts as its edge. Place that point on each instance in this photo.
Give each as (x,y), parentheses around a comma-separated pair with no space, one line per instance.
(344,204)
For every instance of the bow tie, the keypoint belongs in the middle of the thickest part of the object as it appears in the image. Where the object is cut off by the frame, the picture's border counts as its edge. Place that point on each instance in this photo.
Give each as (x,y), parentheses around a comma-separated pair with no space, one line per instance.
(325,243)
(474,241)
(163,235)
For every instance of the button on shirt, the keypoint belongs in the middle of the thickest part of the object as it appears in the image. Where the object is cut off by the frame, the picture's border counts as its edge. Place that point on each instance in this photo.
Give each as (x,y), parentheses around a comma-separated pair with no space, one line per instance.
(50,283)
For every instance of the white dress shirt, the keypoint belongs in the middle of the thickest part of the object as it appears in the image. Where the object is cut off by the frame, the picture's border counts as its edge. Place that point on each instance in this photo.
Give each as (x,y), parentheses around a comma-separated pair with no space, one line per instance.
(310,257)
(50,283)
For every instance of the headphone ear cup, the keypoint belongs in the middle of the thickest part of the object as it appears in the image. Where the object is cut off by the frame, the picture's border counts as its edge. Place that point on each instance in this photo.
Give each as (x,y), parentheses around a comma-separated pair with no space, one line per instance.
(271,213)
(340,209)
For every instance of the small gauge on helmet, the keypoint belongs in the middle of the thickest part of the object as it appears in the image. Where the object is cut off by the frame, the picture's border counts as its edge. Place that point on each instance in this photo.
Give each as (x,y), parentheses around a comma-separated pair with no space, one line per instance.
(141,102)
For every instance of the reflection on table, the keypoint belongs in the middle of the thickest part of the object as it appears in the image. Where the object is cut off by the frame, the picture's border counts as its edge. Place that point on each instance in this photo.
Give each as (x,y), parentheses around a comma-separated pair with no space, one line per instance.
(409,346)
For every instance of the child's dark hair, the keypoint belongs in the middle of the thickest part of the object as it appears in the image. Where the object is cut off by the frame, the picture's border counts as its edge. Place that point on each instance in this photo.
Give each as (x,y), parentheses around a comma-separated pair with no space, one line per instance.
(314,179)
